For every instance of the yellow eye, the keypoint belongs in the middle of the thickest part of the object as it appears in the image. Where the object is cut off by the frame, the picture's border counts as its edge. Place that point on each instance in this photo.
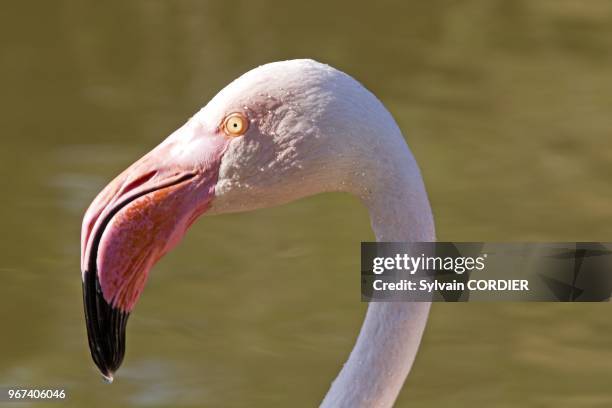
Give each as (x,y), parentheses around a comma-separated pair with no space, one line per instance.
(235,124)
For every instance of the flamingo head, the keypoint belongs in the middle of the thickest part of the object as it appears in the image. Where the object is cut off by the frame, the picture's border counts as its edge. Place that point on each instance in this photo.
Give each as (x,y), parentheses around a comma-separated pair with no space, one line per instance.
(277,133)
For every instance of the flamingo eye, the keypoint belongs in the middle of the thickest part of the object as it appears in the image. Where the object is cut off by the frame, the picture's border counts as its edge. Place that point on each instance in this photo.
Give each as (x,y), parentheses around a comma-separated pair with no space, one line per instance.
(235,124)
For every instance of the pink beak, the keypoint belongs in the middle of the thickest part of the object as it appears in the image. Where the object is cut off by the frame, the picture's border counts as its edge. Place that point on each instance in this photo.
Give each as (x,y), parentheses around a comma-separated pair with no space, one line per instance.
(132,223)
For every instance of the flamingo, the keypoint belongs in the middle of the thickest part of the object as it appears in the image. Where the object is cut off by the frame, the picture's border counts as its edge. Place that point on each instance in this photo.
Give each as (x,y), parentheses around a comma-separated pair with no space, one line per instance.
(280,132)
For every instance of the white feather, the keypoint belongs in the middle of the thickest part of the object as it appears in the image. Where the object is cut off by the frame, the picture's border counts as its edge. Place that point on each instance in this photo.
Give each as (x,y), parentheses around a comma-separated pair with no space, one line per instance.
(315,129)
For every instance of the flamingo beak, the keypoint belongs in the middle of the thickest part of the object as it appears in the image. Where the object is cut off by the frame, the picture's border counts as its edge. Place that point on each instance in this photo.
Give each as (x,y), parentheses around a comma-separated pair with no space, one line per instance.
(134,221)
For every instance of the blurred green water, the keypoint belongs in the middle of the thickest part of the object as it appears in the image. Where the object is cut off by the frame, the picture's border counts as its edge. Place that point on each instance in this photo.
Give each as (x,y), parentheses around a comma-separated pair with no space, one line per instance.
(506,105)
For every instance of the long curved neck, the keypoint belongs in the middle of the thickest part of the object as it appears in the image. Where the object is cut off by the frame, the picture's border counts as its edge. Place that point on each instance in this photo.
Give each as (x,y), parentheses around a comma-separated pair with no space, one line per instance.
(390,335)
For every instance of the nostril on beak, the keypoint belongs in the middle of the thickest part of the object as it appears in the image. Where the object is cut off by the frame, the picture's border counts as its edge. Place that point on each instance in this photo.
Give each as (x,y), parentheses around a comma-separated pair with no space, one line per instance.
(137,182)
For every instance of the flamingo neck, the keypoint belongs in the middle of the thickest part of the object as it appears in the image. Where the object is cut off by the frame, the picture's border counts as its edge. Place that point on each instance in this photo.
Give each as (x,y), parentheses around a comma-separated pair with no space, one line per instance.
(391,332)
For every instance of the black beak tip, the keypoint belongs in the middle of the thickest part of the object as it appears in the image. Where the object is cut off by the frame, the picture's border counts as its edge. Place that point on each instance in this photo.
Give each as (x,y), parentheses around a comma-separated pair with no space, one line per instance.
(105,328)
(108,377)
